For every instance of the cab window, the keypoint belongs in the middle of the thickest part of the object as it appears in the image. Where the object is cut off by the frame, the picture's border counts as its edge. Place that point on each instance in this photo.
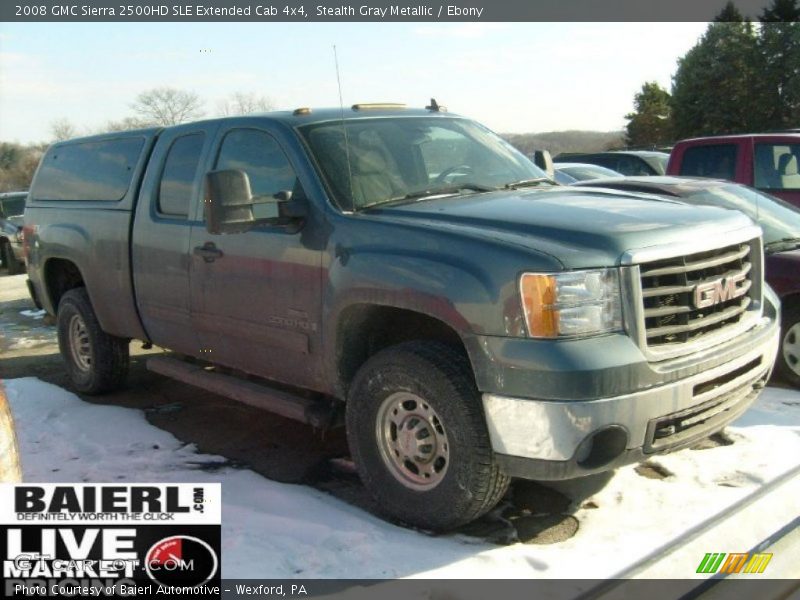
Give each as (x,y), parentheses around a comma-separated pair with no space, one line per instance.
(776,166)
(261,158)
(178,176)
(717,160)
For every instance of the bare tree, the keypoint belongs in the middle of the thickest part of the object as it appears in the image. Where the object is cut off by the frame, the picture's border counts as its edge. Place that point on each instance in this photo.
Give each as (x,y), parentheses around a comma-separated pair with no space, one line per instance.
(128,123)
(244,103)
(17,165)
(167,106)
(62,129)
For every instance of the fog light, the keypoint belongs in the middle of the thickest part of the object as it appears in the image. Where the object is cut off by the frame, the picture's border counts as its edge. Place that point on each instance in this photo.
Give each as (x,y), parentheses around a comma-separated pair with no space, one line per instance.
(602,447)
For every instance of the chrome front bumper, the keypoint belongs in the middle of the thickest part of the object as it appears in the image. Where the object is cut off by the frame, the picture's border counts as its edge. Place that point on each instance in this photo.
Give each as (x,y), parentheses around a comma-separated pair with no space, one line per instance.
(556,440)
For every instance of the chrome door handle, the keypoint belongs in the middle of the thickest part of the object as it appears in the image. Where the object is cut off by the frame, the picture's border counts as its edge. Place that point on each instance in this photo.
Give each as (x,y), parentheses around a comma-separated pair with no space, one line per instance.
(208,251)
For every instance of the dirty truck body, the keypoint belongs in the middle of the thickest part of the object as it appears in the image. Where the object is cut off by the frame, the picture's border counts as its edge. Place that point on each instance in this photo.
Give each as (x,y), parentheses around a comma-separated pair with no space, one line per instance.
(413,272)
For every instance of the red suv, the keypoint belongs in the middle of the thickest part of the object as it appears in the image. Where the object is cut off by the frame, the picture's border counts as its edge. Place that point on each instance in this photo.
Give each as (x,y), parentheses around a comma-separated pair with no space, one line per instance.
(769,162)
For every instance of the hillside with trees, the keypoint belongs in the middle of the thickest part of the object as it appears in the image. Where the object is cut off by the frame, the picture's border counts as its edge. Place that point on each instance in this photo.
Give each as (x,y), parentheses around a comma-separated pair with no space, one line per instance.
(566,141)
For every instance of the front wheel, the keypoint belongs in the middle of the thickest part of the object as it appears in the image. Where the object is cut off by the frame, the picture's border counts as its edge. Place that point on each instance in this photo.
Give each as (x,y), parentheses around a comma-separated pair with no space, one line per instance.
(417,433)
(10,262)
(96,361)
(788,363)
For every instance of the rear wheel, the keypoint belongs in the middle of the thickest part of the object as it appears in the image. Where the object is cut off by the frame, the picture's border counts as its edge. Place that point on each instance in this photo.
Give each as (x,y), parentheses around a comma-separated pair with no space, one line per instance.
(788,363)
(96,361)
(418,435)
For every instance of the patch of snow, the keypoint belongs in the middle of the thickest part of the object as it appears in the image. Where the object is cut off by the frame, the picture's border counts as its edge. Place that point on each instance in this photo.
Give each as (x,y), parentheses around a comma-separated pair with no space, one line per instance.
(20,343)
(275,530)
(34,314)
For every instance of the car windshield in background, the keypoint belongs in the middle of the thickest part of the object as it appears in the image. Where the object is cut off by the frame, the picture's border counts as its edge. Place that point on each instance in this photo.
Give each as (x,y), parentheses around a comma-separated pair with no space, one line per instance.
(586,172)
(779,220)
(659,160)
(561,177)
(387,160)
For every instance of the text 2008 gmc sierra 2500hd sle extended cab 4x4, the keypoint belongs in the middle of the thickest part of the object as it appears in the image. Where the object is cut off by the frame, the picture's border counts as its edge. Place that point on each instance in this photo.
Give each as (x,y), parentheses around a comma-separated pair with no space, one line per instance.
(410,270)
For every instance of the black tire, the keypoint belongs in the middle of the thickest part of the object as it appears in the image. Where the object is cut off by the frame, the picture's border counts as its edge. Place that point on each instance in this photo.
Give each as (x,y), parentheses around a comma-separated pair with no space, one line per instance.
(10,262)
(469,483)
(3,259)
(787,365)
(100,364)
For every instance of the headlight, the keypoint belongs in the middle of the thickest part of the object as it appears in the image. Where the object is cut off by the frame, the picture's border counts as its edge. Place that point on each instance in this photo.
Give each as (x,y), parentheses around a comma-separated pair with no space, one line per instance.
(570,304)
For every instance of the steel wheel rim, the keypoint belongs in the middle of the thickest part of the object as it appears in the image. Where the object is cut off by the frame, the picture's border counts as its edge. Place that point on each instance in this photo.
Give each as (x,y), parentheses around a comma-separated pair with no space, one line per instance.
(79,343)
(412,441)
(790,346)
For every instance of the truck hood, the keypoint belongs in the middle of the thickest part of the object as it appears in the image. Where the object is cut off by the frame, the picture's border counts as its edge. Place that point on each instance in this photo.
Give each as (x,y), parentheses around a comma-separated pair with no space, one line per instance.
(581,228)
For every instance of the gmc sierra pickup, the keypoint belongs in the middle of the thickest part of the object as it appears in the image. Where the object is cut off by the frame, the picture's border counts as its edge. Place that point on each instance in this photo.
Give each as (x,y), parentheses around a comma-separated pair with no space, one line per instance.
(411,272)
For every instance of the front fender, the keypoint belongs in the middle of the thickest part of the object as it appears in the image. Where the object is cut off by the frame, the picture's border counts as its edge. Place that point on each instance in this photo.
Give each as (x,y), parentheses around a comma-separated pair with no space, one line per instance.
(454,291)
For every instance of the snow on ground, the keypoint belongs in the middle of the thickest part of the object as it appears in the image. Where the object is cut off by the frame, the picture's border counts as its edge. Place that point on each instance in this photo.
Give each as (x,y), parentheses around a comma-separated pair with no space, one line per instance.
(275,530)
(34,314)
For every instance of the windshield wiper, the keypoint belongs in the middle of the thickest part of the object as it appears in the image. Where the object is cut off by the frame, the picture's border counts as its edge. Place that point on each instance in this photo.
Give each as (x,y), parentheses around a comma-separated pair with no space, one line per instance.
(528,183)
(782,245)
(431,193)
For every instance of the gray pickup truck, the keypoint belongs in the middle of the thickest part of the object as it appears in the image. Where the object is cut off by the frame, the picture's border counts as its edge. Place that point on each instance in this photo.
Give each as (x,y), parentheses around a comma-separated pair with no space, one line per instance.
(408,273)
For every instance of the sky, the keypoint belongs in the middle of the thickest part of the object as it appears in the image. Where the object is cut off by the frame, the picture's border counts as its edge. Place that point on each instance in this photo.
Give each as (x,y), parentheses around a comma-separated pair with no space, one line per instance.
(513,77)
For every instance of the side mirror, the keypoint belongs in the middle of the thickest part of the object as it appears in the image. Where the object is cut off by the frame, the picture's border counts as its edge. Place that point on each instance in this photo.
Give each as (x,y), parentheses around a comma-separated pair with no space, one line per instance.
(228,205)
(543,160)
(291,205)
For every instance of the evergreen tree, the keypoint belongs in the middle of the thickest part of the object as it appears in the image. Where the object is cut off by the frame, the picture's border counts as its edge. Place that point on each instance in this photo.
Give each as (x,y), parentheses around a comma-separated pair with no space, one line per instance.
(779,45)
(649,124)
(717,88)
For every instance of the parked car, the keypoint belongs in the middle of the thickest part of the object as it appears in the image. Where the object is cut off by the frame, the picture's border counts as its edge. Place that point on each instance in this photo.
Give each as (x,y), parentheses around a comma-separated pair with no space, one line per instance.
(780,222)
(562,178)
(769,162)
(12,208)
(409,269)
(582,172)
(9,452)
(625,162)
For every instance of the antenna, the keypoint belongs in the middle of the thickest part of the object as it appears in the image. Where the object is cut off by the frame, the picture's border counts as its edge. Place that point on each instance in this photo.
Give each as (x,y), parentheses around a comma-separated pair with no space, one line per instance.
(344,130)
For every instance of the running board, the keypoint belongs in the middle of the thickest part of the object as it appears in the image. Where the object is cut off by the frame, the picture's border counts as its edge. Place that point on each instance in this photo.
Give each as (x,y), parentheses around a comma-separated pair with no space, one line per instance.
(273,400)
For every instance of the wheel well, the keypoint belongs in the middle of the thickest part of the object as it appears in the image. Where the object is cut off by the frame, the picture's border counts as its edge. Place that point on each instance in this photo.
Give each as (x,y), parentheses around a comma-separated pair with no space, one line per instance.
(364,330)
(790,301)
(60,276)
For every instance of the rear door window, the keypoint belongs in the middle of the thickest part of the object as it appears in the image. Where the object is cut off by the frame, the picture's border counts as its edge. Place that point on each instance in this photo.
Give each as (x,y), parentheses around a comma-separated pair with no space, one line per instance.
(717,160)
(179,174)
(94,171)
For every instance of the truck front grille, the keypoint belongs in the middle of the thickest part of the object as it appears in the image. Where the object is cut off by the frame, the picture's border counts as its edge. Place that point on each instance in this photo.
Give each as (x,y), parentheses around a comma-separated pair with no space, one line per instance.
(687,297)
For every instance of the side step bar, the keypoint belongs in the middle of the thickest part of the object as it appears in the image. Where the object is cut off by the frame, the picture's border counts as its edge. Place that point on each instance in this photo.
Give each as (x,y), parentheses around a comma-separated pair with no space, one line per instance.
(276,401)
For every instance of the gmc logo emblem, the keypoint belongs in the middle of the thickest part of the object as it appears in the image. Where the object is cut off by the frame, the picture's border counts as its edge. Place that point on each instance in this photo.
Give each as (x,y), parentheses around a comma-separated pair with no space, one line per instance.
(719,290)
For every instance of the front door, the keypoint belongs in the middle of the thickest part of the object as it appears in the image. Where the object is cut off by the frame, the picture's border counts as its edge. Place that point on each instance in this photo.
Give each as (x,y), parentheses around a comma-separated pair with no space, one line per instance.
(256,298)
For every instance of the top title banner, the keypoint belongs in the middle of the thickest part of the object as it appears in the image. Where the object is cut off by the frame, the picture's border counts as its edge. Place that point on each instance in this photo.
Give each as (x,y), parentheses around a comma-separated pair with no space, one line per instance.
(370,10)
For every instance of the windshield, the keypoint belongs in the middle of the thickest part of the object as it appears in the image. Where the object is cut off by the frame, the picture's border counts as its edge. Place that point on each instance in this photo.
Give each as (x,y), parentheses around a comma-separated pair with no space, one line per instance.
(391,159)
(779,220)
